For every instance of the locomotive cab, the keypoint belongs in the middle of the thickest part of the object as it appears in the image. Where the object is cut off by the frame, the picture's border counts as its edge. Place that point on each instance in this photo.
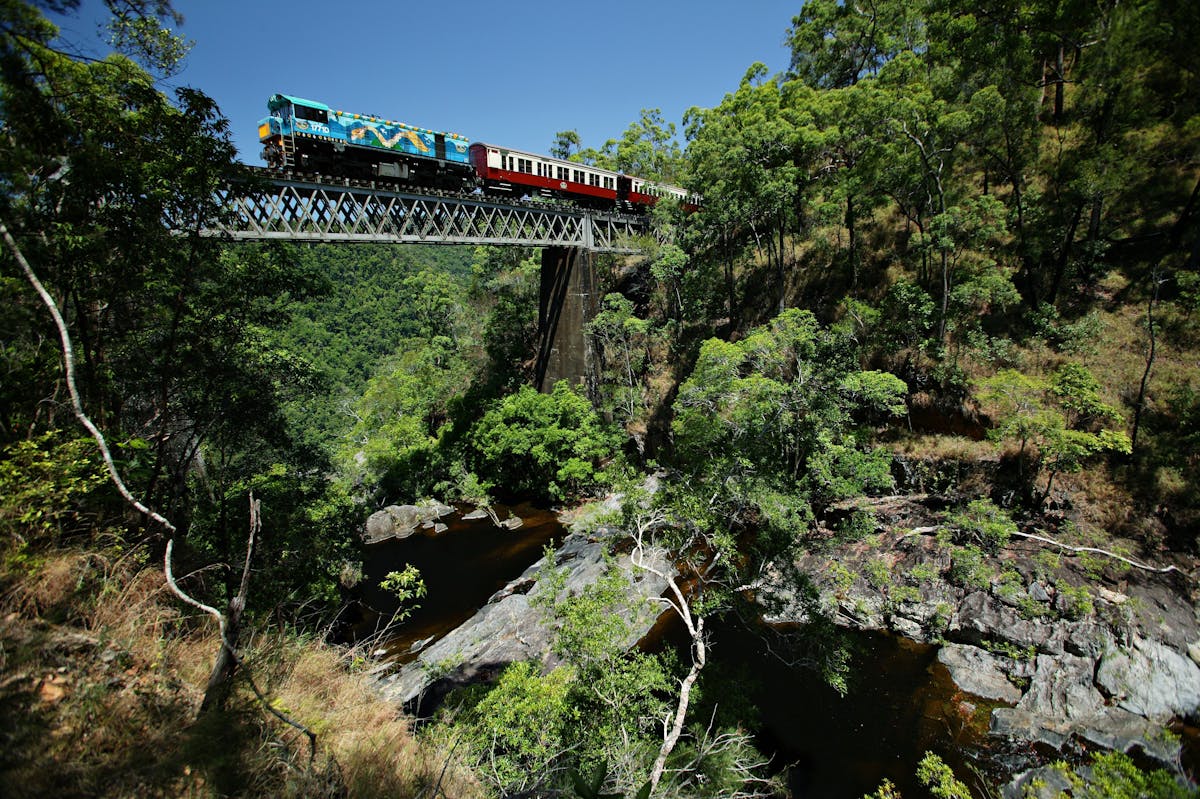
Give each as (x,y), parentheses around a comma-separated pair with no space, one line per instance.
(290,117)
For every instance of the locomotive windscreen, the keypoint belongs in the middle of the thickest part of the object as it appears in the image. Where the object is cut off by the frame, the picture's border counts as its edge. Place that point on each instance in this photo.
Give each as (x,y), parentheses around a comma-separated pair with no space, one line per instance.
(312,114)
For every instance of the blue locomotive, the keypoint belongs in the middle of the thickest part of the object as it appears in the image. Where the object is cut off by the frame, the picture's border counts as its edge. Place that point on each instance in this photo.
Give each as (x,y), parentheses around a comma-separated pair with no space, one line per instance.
(312,137)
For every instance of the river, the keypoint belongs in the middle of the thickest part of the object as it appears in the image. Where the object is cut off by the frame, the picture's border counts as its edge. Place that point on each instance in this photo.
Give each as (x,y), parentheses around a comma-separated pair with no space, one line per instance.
(901,702)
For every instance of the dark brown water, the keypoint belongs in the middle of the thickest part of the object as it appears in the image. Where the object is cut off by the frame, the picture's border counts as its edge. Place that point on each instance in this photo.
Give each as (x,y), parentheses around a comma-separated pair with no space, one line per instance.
(900,704)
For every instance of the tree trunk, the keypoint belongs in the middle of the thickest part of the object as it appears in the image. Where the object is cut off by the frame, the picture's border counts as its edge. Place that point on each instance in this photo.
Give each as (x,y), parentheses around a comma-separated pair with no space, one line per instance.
(1087,276)
(672,733)
(1140,404)
(782,271)
(853,242)
(1059,68)
(221,678)
(1064,256)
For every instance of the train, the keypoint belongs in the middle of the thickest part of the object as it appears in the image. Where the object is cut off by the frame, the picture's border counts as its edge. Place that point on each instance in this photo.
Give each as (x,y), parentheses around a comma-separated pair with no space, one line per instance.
(307,136)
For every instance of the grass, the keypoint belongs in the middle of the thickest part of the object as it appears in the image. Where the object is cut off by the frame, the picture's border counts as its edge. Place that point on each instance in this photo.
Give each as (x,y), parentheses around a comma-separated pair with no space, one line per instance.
(102,673)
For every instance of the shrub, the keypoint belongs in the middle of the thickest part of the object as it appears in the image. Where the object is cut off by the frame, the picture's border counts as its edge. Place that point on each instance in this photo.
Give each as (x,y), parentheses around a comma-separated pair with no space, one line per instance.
(967,568)
(984,525)
(517,729)
(543,445)
(1075,601)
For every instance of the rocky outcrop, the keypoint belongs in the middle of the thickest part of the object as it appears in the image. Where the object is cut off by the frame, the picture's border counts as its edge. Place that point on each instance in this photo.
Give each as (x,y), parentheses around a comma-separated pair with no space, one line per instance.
(980,673)
(1150,679)
(1068,656)
(515,626)
(401,521)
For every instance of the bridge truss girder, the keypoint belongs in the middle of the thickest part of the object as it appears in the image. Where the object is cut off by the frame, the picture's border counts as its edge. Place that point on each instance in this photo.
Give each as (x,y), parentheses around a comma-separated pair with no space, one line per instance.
(298,210)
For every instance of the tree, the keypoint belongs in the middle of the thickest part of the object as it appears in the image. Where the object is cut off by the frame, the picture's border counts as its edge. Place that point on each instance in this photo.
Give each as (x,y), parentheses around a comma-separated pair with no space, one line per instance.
(743,152)
(775,413)
(178,363)
(623,340)
(835,45)
(647,149)
(567,143)
(1058,423)
(542,445)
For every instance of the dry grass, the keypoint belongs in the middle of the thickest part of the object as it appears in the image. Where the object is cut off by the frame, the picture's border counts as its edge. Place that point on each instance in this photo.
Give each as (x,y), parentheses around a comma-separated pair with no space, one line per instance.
(375,746)
(943,447)
(101,675)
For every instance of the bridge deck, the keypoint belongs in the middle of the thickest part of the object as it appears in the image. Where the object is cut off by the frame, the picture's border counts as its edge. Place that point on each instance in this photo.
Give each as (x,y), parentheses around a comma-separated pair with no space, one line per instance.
(308,208)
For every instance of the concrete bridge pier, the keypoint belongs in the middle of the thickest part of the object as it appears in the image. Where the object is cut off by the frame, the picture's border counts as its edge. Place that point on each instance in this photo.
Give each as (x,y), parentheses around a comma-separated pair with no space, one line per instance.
(568,302)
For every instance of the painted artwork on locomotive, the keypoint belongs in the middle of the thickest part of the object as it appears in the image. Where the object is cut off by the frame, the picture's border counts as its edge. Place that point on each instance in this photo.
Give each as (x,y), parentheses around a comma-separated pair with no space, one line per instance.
(296,116)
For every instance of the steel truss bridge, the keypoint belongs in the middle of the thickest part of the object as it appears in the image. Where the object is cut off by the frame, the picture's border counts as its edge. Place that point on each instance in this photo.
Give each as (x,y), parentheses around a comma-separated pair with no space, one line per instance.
(307,208)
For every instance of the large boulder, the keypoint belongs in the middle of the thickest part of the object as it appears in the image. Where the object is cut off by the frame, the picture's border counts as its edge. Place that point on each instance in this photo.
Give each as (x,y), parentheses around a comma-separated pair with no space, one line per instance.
(401,521)
(1151,679)
(980,673)
(513,626)
(1063,702)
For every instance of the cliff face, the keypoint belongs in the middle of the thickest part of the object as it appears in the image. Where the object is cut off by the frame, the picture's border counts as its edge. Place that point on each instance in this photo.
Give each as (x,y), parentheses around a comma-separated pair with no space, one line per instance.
(1069,647)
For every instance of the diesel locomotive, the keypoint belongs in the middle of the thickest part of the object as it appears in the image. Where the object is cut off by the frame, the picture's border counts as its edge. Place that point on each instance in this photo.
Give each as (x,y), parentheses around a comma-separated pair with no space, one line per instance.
(308,136)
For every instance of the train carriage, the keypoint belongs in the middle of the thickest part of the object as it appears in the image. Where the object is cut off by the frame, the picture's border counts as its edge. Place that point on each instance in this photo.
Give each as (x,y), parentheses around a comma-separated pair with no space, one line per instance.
(517,172)
(507,170)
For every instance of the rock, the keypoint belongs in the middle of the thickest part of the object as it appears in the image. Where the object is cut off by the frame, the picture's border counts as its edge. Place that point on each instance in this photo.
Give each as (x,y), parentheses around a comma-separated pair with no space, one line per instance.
(1086,639)
(1038,592)
(1046,782)
(1110,596)
(478,513)
(909,628)
(394,521)
(432,509)
(1194,652)
(420,644)
(1151,679)
(511,627)
(1063,702)
(1061,690)
(1121,730)
(978,672)
(512,523)
(401,521)
(980,617)
(1061,698)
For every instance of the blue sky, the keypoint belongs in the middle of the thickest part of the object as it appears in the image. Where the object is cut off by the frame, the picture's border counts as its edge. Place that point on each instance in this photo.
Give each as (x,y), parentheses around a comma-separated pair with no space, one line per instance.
(511,73)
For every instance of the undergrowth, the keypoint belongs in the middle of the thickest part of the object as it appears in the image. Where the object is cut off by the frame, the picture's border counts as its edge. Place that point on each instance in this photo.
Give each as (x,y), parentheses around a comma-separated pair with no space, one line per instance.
(102,672)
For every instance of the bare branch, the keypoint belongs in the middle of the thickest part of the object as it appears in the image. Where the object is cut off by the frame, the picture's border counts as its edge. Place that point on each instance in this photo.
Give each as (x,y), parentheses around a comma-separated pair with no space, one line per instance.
(68,354)
(1114,555)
